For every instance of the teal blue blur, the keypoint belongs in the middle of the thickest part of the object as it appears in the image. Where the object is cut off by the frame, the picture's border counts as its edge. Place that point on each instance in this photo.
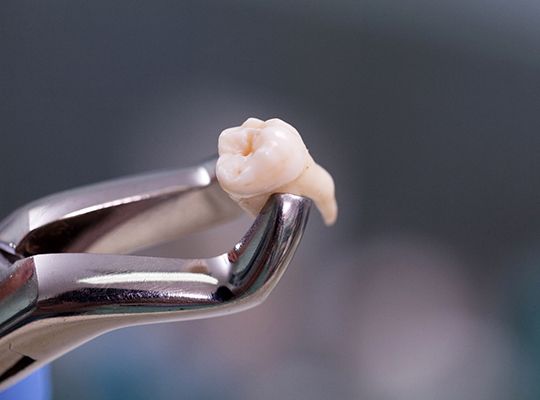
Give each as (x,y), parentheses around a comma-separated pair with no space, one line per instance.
(522,286)
(35,387)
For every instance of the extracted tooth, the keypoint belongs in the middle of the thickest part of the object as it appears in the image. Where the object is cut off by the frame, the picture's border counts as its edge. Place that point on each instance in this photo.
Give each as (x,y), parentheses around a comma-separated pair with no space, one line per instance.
(260,158)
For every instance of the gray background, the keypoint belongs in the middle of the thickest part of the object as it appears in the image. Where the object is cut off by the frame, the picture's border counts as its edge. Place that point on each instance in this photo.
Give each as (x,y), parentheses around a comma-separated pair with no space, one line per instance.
(427,114)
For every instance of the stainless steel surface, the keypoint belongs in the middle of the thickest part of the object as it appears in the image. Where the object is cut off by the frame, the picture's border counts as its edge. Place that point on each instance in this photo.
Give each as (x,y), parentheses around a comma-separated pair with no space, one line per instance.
(52,299)
(121,215)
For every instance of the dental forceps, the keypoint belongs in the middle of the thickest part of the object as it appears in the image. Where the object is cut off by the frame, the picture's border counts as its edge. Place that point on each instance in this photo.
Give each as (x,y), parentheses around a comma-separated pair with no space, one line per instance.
(64,278)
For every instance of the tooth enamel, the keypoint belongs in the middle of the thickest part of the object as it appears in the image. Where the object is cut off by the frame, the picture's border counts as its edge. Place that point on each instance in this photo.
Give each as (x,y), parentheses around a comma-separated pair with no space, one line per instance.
(264,157)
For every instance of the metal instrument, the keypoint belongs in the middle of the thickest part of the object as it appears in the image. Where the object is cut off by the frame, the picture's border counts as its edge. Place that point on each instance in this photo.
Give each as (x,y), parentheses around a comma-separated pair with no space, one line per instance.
(64,282)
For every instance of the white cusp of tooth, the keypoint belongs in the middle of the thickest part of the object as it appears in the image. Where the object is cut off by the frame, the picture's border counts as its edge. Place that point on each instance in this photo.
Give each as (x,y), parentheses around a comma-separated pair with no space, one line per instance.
(259,156)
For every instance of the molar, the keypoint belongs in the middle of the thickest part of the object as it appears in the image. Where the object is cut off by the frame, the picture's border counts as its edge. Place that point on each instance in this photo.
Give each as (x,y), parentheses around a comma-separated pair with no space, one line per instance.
(260,158)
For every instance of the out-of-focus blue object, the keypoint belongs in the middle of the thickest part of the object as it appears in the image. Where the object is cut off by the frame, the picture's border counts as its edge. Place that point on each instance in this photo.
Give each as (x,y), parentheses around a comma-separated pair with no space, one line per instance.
(35,387)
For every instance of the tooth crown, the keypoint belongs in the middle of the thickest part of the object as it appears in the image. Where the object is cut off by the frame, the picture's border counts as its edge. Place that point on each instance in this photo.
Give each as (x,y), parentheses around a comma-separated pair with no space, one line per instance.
(259,156)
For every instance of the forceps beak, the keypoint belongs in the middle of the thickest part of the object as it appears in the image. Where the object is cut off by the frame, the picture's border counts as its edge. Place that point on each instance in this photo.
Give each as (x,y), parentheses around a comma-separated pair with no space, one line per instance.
(53,299)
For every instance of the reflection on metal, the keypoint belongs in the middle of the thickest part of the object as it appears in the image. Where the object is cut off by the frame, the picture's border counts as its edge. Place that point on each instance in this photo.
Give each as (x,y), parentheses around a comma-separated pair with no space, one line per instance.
(148,277)
(61,287)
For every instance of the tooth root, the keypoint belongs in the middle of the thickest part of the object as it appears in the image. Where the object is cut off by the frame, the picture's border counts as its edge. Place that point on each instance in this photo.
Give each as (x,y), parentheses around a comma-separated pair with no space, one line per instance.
(322,193)
(317,184)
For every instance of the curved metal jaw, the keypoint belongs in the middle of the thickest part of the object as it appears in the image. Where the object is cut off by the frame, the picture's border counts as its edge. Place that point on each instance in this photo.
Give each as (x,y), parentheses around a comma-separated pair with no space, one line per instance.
(53,302)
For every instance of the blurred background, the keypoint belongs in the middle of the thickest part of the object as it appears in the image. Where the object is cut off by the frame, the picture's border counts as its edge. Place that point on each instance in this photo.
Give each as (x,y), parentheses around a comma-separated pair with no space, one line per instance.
(427,114)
